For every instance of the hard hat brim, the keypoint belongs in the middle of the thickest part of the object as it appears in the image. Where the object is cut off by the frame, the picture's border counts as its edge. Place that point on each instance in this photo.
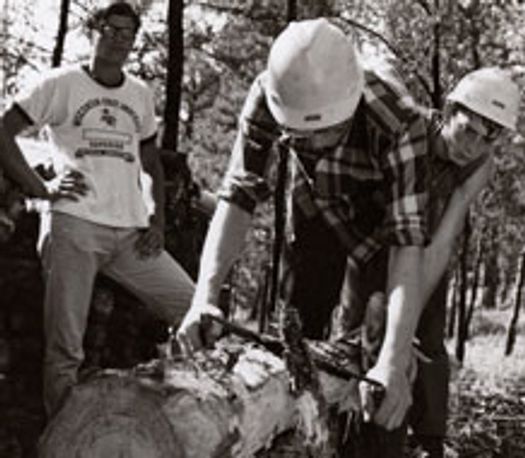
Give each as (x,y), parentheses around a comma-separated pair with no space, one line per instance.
(322,117)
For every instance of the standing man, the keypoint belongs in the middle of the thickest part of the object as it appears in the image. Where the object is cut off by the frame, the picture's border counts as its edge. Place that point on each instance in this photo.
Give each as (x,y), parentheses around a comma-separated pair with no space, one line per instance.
(461,141)
(101,125)
(358,181)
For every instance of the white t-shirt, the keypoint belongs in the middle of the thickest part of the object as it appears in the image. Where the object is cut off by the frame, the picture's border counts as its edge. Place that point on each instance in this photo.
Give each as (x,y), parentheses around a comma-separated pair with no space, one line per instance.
(96,130)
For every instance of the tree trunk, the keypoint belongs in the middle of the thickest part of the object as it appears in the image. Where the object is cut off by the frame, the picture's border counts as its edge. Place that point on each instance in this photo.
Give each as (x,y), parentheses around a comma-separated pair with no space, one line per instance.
(475,286)
(291,10)
(511,333)
(462,304)
(58,51)
(174,74)
(491,269)
(231,402)
(436,63)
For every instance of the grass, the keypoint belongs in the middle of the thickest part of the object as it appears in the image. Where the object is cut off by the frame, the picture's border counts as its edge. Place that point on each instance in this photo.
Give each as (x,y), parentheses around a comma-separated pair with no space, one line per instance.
(487,402)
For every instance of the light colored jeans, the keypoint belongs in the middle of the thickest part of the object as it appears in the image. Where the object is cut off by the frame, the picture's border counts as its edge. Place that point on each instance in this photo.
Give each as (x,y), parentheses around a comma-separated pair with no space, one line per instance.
(73,252)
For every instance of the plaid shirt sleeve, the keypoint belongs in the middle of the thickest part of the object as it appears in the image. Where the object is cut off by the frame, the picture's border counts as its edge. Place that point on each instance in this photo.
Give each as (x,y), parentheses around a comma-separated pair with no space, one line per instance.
(245,182)
(405,168)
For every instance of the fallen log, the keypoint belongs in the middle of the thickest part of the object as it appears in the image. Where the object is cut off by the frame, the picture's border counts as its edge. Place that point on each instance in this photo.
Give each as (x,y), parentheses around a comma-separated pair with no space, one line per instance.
(232,401)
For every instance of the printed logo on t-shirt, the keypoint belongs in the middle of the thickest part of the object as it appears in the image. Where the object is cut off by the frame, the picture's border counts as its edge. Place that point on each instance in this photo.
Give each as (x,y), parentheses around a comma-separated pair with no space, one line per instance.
(104,104)
(106,143)
(108,117)
(106,130)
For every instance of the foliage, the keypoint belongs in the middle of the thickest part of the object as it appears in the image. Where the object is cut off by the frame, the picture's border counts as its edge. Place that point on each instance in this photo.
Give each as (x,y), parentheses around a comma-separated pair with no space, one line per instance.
(18,51)
(226,43)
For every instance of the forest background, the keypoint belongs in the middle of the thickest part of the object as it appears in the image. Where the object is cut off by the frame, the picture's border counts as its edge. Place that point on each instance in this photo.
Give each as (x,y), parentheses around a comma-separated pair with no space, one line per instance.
(200,78)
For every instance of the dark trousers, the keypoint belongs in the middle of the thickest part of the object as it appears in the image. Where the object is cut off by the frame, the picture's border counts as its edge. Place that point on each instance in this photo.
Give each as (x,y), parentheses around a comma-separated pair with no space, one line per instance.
(313,271)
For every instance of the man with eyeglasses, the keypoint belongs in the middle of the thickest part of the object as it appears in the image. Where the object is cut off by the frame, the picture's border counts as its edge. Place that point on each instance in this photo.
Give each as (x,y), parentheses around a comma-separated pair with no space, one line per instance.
(101,125)
(461,142)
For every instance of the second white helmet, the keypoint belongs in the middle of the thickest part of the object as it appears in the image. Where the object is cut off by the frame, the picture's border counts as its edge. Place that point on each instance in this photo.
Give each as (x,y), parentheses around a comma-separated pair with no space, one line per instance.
(491,93)
(315,79)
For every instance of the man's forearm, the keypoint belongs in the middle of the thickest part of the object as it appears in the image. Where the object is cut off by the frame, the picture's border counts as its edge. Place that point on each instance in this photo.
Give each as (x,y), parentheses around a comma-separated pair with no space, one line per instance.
(159,194)
(14,163)
(153,167)
(404,305)
(224,242)
(438,253)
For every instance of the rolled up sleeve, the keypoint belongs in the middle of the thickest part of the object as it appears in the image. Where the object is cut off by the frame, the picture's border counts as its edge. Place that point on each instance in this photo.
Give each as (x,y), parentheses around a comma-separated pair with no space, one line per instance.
(406,172)
(245,182)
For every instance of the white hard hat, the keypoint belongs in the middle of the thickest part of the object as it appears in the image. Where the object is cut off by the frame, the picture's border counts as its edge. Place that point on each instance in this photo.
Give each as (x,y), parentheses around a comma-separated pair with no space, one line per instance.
(491,93)
(314,77)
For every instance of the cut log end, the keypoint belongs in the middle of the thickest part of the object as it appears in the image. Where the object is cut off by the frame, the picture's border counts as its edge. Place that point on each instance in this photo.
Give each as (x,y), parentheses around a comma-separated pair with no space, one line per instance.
(111,416)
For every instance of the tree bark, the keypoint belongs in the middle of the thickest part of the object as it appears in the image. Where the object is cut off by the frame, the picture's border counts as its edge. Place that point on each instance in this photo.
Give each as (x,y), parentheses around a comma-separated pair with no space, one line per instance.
(174,74)
(475,285)
(491,248)
(462,304)
(511,333)
(58,51)
(436,63)
(229,402)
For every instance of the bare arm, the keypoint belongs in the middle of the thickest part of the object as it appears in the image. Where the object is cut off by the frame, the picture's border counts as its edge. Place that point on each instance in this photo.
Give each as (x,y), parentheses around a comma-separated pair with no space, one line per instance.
(152,165)
(11,157)
(404,304)
(70,185)
(438,253)
(403,311)
(412,277)
(151,241)
(224,243)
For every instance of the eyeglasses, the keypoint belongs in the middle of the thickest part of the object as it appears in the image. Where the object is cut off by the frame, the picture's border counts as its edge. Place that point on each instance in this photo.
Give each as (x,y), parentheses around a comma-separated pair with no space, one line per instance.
(492,130)
(112,31)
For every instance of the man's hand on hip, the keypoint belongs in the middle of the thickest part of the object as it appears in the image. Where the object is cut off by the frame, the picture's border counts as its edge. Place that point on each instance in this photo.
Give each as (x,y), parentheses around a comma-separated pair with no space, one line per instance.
(69,185)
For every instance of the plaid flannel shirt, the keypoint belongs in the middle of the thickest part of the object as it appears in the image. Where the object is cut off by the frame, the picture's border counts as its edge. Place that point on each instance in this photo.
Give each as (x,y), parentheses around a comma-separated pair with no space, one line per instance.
(372,189)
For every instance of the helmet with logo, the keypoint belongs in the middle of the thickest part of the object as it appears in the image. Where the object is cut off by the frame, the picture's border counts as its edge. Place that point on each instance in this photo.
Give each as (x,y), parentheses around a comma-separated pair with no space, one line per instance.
(489,92)
(314,76)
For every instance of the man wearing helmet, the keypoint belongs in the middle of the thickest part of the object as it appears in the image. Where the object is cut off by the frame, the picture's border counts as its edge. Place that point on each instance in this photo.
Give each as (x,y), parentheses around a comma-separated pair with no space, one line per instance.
(358,175)
(461,142)
(102,130)
(358,170)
